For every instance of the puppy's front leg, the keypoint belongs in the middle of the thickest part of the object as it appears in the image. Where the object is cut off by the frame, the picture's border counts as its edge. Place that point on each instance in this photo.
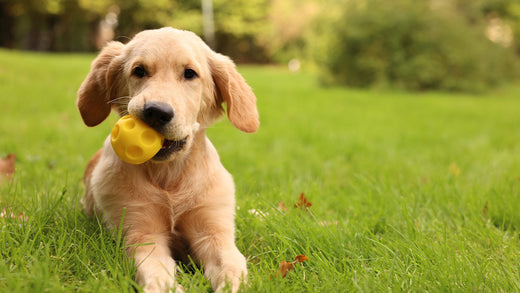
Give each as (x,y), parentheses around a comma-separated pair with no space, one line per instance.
(210,231)
(155,266)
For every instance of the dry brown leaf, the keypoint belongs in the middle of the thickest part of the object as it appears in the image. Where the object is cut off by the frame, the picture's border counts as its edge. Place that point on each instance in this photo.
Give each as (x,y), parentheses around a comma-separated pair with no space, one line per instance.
(281,207)
(8,213)
(7,167)
(303,203)
(285,266)
(300,258)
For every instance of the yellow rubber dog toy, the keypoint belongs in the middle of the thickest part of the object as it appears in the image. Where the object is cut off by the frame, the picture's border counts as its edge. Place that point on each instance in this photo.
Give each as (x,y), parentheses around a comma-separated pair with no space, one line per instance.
(134,141)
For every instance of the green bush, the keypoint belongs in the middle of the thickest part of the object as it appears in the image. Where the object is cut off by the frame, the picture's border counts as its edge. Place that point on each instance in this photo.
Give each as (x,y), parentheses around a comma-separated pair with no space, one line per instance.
(411,45)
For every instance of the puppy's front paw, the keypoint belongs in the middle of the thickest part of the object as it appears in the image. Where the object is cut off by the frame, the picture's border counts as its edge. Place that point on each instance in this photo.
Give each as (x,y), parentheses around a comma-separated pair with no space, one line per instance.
(233,273)
(165,288)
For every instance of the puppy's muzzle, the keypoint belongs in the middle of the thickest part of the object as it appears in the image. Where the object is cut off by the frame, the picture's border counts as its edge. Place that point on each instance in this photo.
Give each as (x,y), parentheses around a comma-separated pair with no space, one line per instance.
(157,114)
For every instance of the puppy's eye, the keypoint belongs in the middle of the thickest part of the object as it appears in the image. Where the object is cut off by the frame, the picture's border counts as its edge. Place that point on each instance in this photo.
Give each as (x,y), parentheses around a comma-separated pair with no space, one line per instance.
(190,74)
(139,72)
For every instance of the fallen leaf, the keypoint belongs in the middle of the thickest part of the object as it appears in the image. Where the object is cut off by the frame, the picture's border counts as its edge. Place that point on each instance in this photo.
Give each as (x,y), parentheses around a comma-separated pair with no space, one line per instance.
(7,166)
(300,258)
(281,207)
(285,266)
(303,203)
(8,213)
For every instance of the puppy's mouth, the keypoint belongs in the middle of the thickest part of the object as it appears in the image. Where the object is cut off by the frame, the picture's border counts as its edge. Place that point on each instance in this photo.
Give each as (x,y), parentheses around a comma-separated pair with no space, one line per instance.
(169,147)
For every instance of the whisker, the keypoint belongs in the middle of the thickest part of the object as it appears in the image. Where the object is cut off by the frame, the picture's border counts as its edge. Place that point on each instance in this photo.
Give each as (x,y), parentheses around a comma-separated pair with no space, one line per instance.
(121,100)
(119,103)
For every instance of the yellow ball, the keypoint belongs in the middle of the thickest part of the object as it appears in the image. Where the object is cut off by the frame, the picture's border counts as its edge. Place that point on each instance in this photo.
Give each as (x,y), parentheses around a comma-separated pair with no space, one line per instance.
(134,141)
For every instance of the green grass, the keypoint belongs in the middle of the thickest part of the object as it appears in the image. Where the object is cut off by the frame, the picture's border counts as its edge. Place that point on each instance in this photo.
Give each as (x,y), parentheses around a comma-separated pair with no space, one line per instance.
(388,213)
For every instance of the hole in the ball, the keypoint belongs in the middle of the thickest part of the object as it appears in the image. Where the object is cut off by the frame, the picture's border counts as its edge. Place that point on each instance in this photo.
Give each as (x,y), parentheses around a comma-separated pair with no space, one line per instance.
(134,152)
(115,132)
(130,124)
(148,137)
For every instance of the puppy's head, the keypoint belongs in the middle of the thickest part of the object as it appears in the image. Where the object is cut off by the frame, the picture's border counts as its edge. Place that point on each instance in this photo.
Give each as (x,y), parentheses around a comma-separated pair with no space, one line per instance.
(171,80)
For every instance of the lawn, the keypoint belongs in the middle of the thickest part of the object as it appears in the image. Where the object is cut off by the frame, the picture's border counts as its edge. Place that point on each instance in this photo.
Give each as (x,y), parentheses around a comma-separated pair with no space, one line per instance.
(409,191)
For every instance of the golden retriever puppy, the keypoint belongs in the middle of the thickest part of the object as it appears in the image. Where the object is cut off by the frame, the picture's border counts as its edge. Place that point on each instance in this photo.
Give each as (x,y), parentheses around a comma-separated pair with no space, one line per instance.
(182,201)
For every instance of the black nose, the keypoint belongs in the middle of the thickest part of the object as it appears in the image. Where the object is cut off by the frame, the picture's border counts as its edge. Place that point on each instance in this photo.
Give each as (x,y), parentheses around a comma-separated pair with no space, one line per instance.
(157,114)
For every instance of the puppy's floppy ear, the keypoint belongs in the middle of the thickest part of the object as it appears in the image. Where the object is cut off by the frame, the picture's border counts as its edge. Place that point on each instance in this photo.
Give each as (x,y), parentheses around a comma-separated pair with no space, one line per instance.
(235,92)
(95,91)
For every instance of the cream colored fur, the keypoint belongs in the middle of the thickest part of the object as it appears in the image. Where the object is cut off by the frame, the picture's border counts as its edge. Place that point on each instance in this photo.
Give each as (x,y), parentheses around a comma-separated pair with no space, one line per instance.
(185,204)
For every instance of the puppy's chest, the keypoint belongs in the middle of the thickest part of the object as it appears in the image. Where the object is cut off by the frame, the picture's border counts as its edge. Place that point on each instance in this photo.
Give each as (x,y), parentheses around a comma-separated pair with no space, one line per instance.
(176,195)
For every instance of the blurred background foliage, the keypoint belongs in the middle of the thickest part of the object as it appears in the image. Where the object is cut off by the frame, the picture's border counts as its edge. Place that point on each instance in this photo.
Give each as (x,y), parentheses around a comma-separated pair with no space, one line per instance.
(460,45)
(466,45)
